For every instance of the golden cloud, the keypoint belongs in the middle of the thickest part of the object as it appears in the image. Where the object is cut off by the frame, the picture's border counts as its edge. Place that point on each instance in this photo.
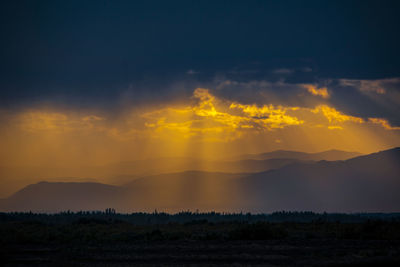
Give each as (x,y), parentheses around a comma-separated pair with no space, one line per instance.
(335,116)
(384,123)
(335,127)
(207,118)
(268,117)
(207,125)
(204,118)
(322,92)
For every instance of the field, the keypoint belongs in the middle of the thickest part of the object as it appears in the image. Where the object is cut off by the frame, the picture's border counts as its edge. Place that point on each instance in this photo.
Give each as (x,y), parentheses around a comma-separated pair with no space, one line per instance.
(109,239)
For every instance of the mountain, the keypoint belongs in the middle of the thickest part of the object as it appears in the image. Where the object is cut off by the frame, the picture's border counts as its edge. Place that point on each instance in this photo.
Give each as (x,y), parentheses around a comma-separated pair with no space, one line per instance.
(331,155)
(249,165)
(172,192)
(121,172)
(168,165)
(245,163)
(367,183)
(61,196)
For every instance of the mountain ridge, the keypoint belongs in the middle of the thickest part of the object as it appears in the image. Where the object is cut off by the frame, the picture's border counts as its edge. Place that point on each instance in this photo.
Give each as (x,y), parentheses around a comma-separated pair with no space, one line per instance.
(331,155)
(365,183)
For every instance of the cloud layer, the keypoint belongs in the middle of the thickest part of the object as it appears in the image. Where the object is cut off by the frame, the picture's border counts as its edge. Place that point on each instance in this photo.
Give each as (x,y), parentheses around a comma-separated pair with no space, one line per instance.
(203,120)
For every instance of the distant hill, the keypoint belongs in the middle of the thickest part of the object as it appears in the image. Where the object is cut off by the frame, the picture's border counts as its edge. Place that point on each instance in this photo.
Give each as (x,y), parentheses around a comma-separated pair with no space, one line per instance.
(168,165)
(122,172)
(172,191)
(367,183)
(244,163)
(61,196)
(331,155)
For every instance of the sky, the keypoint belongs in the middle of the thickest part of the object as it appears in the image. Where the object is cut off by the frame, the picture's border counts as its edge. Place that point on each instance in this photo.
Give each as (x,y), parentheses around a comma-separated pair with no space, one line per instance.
(94,82)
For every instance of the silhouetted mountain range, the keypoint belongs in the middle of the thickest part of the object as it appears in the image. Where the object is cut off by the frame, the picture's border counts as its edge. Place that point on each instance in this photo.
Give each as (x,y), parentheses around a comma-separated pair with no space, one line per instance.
(53,196)
(167,165)
(120,173)
(244,163)
(330,155)
(367,183)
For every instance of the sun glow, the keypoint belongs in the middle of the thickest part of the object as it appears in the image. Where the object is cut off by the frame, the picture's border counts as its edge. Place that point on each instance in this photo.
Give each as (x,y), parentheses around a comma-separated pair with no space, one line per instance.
(69,143)
(205,126)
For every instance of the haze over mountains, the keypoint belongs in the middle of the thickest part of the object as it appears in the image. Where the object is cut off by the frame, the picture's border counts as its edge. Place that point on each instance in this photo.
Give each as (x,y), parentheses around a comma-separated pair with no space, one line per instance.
(366,183)
(287,154)
(242,163)
(295,182)
(119,173)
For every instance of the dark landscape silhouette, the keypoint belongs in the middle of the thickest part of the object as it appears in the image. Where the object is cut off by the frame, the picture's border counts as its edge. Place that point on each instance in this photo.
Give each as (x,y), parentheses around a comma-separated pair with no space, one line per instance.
(368,183)
(157,238)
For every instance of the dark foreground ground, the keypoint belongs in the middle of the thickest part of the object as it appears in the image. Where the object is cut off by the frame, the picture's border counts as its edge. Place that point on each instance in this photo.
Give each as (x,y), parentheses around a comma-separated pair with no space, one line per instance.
(114,240)
(209,253)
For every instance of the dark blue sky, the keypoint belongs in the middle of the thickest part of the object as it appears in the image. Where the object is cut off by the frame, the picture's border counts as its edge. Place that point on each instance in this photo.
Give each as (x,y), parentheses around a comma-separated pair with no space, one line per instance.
(90,52)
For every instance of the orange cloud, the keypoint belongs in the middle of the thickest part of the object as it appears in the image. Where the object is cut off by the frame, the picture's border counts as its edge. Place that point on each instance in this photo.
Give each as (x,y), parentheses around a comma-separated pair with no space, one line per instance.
(335,127)
(384,123)
(323,92)
(269,117)
(335,116)
(207,118)
(206,126)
